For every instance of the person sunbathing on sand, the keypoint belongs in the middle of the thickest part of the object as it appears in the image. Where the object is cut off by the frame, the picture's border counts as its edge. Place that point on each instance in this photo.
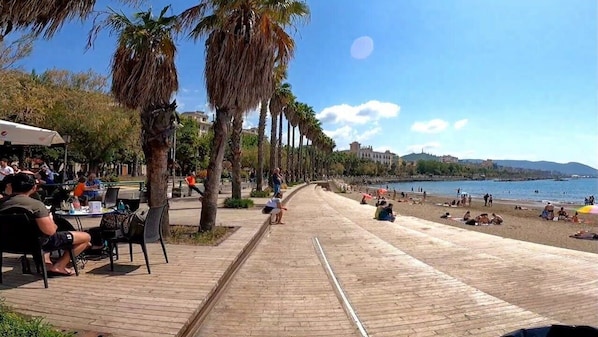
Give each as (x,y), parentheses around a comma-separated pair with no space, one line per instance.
(496,219)
(583,234)
(466,216)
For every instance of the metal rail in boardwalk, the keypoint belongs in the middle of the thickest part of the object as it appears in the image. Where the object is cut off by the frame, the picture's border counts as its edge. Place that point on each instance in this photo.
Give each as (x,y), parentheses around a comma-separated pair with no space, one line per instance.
(195,322)
(339,289)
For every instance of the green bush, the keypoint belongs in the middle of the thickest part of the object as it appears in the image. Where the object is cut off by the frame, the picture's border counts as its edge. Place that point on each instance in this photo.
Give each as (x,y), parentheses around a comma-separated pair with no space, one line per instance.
(110,179)
(260,194)
(238,203)
(15,325)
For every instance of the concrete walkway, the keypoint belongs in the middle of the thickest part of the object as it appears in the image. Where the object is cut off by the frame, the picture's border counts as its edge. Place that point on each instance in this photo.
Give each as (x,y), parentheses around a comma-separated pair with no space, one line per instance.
(408,278)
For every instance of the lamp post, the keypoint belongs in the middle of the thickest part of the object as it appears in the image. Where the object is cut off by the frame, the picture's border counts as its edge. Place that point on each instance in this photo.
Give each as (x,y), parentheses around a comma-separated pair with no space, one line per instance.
(67,140)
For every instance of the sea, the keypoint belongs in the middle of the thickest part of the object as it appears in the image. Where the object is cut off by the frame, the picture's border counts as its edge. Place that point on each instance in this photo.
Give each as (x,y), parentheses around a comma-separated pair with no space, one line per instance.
(569,191)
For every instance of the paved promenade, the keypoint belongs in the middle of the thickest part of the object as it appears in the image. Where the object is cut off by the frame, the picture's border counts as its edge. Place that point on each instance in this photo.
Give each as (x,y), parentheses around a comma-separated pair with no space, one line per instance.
(408,278)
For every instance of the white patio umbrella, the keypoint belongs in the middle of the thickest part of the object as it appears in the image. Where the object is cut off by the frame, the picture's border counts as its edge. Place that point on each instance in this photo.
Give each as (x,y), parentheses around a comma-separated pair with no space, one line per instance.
(21,134)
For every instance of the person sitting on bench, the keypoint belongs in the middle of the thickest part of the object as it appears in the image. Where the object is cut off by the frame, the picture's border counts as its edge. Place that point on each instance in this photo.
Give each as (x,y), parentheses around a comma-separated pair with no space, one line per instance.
(23,185)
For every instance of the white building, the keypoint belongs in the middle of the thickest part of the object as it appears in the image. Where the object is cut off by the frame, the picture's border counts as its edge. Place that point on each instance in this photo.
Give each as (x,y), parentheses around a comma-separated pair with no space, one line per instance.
(367,152)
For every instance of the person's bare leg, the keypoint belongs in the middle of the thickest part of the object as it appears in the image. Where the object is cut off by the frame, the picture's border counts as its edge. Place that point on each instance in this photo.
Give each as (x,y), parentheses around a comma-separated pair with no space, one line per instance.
(279,217)
(81,241)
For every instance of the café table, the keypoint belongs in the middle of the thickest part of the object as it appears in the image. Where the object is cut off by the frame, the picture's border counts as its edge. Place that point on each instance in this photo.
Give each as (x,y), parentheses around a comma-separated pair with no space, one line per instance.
(83,212)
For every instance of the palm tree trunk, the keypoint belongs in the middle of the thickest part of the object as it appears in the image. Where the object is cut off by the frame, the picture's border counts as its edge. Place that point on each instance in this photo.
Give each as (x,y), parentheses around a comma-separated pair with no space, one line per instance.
(236,150)
(155,136)
(293,168)
(299,157)
(261,130)
(210,200)
(273,163)
(288,168)
(279,147)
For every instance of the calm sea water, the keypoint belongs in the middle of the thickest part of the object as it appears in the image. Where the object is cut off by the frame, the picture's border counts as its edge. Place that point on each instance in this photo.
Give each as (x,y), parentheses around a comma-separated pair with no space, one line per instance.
(569,191)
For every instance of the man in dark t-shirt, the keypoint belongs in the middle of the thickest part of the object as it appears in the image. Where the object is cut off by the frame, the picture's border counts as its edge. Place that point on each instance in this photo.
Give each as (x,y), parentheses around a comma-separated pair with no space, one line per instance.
(276,180)
(23,185)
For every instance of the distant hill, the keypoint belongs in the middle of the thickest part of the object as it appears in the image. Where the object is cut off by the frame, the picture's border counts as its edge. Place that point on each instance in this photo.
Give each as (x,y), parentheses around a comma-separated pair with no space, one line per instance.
(567,169)
(419,156)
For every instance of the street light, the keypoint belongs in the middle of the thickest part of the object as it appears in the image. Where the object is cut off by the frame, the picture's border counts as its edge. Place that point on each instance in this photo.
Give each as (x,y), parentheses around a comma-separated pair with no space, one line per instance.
(67,140)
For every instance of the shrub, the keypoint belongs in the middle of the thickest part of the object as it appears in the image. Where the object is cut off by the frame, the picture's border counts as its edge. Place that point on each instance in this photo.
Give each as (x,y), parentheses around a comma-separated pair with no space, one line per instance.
(238,203)
(110,178)
(15,325)
(260,194)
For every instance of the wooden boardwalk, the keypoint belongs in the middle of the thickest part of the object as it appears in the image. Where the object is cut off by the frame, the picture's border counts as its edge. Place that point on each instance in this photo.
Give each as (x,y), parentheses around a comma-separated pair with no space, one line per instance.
(129,301)
(408,278)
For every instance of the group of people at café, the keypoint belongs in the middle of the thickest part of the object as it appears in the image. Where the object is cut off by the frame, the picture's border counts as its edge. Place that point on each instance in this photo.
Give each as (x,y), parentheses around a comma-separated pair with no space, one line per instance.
(20,191)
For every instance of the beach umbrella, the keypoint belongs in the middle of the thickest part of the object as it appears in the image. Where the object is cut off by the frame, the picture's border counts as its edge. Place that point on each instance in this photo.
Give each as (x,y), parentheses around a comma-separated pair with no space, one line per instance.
(367,196)
(588,209)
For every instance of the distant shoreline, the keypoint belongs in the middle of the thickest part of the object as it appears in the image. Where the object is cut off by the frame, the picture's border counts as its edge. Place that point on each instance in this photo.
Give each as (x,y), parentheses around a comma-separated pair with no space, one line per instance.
(390,180)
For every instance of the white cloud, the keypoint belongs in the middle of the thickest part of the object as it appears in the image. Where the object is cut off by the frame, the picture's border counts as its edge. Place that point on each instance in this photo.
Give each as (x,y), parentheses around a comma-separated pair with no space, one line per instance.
(361,114)
(185,90)
(432,126)
(426,147)
(342,134)
(460,124)
(368,134)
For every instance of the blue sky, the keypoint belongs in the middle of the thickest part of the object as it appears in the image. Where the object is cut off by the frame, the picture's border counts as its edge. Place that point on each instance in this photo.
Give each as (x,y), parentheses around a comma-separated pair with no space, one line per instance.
(480,79)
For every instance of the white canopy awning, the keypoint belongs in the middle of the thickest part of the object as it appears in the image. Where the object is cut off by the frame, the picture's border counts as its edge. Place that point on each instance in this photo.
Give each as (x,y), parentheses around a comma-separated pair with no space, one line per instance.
(21,134)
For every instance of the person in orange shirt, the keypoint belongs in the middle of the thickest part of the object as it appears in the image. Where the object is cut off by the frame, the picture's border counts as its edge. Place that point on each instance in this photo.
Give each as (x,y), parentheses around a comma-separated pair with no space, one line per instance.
(190,180)
(78,191)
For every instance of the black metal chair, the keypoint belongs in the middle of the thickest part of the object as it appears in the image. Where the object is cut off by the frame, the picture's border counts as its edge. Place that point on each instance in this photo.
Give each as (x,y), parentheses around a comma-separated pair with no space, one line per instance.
(141,233)
(111,197)
(19,234)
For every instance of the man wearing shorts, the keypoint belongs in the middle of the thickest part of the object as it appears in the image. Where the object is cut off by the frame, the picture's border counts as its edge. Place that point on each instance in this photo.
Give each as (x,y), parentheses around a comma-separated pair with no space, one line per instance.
(23,185)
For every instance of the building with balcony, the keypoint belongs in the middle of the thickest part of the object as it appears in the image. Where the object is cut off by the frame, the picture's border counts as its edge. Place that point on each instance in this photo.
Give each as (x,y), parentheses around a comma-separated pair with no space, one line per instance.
(386,157)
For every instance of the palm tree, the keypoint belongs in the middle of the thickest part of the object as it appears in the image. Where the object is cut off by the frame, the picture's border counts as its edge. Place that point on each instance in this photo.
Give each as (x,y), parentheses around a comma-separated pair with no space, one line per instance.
(280,73)
(235,146)
(144,78)
(281,97)
(261,131)
(42,17)
(290,114)
(245,40)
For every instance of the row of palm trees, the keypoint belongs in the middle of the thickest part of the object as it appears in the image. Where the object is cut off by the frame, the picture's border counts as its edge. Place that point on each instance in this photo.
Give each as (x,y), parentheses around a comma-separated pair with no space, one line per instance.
(247,50)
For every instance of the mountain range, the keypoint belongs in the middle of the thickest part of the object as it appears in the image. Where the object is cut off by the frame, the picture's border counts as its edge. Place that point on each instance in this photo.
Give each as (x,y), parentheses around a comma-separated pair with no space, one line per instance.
(567,169)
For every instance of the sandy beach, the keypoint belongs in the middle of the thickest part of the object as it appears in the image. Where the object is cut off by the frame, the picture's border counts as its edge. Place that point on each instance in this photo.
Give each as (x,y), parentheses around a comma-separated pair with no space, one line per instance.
(523,225)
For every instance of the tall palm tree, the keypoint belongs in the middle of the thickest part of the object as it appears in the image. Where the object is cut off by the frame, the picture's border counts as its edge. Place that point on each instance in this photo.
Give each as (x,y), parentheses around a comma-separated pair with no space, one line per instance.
(144,78)
(245,40)
(235,144)
(279,73)
(261,131)
(281,97)
(289,113)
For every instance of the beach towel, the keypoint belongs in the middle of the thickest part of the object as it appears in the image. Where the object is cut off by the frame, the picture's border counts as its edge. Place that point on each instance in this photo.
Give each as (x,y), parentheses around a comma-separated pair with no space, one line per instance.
(585,236)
